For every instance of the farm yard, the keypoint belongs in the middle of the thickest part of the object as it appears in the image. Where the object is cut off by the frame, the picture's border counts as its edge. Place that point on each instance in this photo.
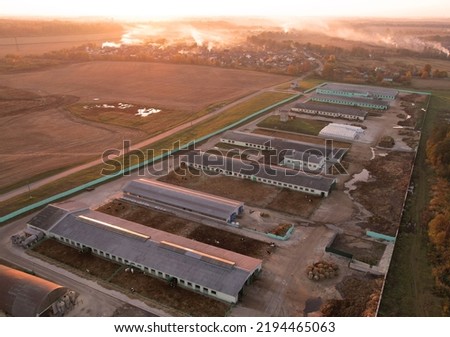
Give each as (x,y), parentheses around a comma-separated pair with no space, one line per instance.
(250,192)
(190,229)
(57,138)
(338,222)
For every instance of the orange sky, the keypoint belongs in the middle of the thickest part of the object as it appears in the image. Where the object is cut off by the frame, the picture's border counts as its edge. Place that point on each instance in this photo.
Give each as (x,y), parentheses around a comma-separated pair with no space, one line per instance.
(166,9)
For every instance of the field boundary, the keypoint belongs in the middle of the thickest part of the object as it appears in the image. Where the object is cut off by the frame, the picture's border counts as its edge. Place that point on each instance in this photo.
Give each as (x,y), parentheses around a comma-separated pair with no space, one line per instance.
(129,169)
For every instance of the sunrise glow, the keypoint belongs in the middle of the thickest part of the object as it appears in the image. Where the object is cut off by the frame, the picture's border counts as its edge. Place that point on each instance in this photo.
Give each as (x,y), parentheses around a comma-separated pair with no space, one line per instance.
(170,9)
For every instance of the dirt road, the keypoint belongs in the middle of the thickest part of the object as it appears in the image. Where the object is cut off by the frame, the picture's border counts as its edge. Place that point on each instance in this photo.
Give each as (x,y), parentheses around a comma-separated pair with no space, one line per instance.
(93,300)
(283,288)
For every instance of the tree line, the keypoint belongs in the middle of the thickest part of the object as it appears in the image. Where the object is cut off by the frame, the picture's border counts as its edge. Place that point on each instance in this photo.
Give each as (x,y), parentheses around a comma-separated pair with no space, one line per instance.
(438,155)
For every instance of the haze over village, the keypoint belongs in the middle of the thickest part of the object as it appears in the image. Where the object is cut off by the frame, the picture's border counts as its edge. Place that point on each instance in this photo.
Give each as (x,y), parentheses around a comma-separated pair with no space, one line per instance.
(192,159)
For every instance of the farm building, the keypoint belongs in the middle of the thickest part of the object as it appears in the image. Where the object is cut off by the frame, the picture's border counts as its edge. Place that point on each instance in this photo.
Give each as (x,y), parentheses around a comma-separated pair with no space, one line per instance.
(341,131)
(328,110)
(282,145)
(190,264)
(351,101)
(304,161)
(163,194)
(247,140)
(357,91)
(267,174)
(25,295)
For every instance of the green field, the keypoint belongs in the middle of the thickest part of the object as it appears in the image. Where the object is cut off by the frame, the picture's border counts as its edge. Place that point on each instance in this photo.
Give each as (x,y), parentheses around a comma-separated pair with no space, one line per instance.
(309,83)
(212,124)
(297,125)
(409,285)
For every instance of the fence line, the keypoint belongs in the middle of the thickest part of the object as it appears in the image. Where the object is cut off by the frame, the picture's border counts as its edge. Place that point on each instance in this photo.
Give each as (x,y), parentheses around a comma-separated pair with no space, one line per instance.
(123,171)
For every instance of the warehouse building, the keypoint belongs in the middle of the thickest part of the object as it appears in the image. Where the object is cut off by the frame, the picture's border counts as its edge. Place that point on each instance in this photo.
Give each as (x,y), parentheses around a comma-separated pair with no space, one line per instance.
(246,139)
(351,101)
(25,295)
(341,131)
(267,174)
(357,91)
(190,264)
(154,192)
(328,110)
(304,161)
(303,150)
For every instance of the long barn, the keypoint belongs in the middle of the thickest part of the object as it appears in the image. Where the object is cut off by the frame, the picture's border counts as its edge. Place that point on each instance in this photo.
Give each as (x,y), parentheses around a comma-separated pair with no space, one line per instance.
(190,264)
(264,142)
(267,174)
(351,101)
(183,199)
(328,110)
(357,91)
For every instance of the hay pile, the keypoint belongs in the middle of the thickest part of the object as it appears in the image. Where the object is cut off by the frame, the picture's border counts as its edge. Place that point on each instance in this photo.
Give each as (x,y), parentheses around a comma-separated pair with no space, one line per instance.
(322,270)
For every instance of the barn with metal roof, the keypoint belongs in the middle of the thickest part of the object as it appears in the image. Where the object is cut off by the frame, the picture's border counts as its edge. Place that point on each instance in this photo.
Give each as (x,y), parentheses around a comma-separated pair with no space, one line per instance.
(328,110)
(351,101)
(282,145)
(183,199)
(267,174)
(356,90)
(25,295)
(190,264)
(247,139)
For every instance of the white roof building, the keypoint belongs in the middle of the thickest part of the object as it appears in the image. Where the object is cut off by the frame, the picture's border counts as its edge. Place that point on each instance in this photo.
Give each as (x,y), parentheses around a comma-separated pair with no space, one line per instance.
(341,131)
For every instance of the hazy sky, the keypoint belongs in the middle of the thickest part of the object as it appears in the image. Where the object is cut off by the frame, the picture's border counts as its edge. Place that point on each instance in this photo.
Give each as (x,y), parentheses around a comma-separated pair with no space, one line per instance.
(186,8)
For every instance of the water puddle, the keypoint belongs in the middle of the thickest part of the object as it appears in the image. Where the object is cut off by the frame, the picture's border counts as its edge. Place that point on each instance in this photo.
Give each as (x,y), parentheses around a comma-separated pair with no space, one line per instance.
(312,305)
(363,176)
(373,153)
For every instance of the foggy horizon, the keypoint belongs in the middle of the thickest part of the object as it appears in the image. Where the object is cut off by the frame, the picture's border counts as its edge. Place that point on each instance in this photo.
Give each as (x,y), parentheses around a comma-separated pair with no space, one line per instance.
(200,9)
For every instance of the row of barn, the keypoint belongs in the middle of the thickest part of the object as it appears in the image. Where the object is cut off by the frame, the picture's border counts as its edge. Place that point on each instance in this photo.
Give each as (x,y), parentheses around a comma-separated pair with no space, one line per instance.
(193,265)
(296,180)
(306,157)
(190,264)
(358,96)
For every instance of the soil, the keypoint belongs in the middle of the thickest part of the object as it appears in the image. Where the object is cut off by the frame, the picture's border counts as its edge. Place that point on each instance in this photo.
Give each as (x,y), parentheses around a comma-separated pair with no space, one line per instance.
(184,302)
(85,262)
(251,193)
(191,230)
(46,136)
(129,311)
(362,250)
(281,229)
(384,193)
(360,298)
